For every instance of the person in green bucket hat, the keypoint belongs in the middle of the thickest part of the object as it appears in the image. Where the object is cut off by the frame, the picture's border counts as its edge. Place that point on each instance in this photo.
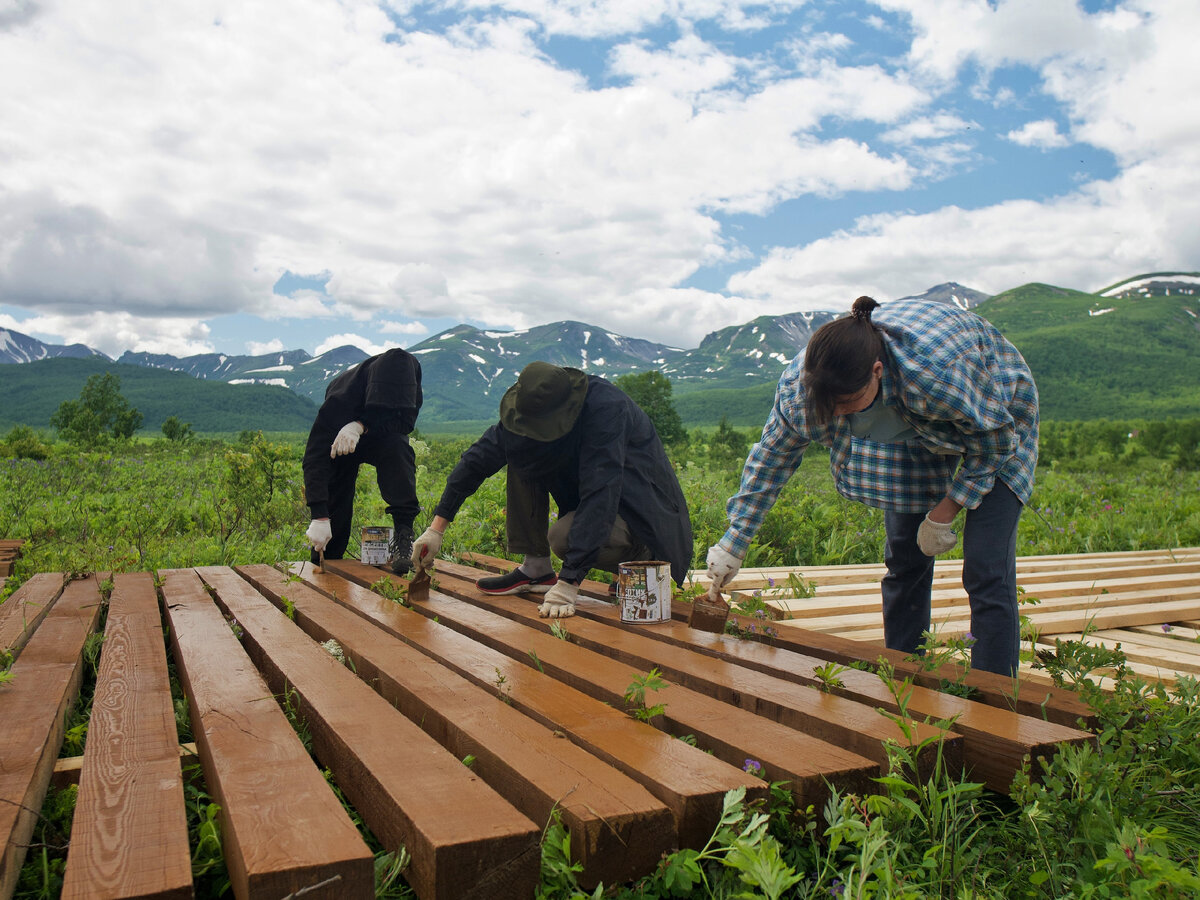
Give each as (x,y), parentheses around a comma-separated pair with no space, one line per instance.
(581,440)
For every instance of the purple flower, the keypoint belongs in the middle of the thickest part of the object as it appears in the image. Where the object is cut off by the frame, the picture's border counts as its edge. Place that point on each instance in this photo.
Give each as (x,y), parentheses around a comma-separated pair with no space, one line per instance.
(752,767)
(1166,629)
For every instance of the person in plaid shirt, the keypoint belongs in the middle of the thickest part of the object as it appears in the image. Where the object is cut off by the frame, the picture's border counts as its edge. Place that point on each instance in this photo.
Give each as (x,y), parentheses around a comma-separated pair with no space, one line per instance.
(926,410)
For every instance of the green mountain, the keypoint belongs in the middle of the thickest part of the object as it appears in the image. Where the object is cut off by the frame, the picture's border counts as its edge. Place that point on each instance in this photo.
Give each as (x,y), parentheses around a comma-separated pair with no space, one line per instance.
(33,392)
(1126,355)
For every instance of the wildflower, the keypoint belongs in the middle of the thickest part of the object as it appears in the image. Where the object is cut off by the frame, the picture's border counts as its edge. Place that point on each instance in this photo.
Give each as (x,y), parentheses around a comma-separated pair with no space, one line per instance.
(753,767)
(1166,628)
(969,640)
(334,649)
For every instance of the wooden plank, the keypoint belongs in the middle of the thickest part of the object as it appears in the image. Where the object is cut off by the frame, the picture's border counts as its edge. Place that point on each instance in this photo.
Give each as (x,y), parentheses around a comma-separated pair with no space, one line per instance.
(34,707)
(67,769)
(283,829)
(129,836)
(465,840)
(731,733)
(618,829)
(837,720)
(1143,651)
(995,741)
(691,783)
(25,608)
(1035,699)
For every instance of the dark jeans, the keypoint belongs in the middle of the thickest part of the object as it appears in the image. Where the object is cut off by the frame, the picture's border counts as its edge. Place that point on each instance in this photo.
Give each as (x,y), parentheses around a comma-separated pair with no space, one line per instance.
(989,542)
(528,514)
(395,472)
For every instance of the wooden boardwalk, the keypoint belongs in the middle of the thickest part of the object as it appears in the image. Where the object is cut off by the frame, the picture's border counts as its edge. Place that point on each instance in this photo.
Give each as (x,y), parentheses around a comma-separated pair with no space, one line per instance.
(538,712)
(1145,602)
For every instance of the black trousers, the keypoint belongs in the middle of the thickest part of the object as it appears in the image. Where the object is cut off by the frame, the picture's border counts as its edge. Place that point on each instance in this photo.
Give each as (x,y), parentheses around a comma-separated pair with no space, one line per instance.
(396,473)
(528,515)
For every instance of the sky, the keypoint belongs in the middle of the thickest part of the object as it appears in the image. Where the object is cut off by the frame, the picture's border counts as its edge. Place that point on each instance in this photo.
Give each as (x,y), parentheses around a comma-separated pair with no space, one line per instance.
(244,177)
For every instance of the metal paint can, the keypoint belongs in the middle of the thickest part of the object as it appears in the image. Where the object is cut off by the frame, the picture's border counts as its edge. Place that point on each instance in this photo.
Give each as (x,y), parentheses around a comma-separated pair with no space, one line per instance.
(374,545)
(644,591)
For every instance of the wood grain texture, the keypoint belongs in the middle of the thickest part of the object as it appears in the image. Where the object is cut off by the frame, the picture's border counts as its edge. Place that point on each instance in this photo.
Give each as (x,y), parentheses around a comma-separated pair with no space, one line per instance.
(25,608)
(731,733)
(691,783)
(129,833)
(33,707)
(618,829)
(283,829)
(466,841)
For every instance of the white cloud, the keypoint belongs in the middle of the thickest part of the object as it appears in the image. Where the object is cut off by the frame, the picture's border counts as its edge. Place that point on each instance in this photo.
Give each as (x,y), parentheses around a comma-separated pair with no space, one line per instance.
(355,340)
(113,333)
(927,128)
(255,348)
(408,328)
(1042,134)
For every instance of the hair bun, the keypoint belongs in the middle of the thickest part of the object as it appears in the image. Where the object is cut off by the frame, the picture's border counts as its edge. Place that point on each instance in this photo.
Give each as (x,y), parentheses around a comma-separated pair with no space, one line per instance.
(860,310)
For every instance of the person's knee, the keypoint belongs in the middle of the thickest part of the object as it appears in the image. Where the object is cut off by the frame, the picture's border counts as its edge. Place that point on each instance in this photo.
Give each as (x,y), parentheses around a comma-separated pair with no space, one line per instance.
(558,533)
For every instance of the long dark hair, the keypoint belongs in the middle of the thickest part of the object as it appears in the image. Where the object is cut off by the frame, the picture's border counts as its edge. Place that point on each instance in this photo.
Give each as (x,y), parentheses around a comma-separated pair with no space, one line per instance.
(839,359)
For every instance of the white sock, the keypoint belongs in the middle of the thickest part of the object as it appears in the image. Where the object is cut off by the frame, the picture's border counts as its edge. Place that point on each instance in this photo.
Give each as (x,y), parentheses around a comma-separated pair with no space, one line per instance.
(536,566)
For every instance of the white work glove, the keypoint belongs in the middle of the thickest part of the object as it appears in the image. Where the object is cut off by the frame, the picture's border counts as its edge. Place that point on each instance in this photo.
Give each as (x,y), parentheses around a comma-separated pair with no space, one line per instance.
(936,537)
(346,440)
(559,601)
(319,533)
(426,549)
(722,566)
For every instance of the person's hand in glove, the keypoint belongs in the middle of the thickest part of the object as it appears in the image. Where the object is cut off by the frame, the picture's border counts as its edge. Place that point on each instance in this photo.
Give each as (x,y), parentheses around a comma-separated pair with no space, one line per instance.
(426,549)
(936,537)
(319,534)
(559,601)
(722,566)
(346,440)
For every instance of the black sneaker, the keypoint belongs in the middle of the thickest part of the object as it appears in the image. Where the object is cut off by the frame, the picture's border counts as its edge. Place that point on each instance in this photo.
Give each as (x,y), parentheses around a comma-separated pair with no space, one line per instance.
(400,551)
(516,582)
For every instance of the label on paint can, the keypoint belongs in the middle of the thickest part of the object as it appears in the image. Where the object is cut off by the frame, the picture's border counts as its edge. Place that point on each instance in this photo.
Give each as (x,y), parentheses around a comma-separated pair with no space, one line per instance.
(374,549)
(644,591)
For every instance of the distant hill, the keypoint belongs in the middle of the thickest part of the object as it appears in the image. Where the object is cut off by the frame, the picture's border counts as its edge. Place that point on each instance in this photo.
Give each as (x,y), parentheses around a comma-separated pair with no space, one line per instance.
(1130,351)
(34,391)
(1133,354)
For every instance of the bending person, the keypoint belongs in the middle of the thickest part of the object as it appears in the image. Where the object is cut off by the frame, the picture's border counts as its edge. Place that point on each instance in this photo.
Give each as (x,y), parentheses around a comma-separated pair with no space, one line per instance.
(583,441)
(366,417)
(926,410)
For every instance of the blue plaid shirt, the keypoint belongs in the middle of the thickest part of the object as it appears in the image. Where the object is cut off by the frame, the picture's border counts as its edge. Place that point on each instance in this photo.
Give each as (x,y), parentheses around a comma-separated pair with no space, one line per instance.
(965,390)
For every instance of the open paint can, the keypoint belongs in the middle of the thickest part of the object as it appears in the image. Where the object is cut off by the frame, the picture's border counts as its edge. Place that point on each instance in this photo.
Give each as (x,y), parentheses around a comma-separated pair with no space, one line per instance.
(644,591)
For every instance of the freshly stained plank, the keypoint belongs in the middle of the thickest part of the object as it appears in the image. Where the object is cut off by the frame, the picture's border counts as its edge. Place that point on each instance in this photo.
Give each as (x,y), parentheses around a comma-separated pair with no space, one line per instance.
(618,830)
(283,829)
(1037,700)
(836,720)
(995,741)
(33,708)
(691,783)
(129,836)
(465,840)
(25,608)
(731,733)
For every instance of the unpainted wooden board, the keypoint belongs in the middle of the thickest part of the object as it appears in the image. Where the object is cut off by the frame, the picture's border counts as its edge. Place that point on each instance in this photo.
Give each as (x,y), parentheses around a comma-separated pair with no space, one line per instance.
(33,707)
(26,607)
(129,835)
(465,840)
(283,829)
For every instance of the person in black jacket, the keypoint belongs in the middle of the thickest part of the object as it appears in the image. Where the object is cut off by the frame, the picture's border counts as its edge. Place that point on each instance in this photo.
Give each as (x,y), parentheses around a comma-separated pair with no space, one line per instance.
(584,442)
(368,413)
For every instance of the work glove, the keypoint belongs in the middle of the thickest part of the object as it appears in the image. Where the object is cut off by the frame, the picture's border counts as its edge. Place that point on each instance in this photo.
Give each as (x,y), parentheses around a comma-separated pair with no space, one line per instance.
(346,440)
(722,566)
(559,601)
(426,549)
(319,533)
(936,537)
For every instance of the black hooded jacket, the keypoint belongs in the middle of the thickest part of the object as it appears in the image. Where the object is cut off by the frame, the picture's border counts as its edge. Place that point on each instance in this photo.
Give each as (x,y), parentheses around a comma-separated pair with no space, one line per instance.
(383,392)
(611,462)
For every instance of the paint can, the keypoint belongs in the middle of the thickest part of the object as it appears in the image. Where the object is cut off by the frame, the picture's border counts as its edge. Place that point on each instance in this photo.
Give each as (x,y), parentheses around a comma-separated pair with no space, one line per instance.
(374,549)
(644,591)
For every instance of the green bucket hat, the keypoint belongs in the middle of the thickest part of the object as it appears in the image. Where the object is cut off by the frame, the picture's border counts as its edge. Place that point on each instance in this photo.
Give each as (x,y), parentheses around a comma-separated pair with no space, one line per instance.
(545,401)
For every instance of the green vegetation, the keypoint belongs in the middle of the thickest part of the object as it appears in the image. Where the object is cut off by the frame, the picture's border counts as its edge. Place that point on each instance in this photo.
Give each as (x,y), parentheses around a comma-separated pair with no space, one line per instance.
(652,392)
(100,414)
(34,391)
(1112,821)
